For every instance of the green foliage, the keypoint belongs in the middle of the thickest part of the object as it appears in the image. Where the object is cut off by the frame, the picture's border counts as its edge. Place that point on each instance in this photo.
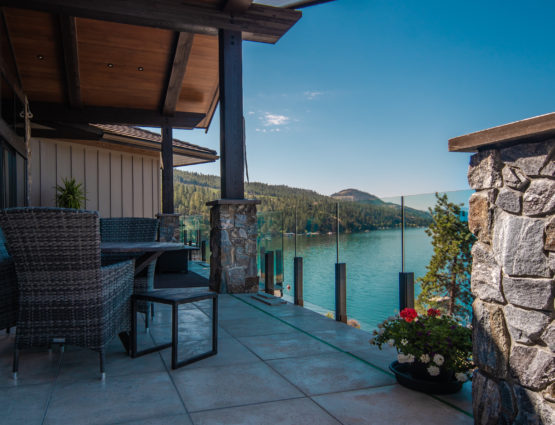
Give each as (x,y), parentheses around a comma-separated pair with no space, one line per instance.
(70,194)
(427,336)
(446,284)
(315,212)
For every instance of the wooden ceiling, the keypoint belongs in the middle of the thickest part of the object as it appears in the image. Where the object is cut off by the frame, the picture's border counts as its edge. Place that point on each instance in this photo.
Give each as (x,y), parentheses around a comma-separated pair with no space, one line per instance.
(80,69)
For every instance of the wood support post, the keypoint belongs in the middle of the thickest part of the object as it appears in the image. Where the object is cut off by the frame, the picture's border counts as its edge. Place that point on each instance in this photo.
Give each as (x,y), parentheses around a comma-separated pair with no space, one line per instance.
(167,171)
(232,151)
(269,277)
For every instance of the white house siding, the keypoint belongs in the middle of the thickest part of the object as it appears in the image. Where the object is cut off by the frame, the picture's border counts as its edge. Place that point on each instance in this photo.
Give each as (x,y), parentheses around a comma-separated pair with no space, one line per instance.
(117,184)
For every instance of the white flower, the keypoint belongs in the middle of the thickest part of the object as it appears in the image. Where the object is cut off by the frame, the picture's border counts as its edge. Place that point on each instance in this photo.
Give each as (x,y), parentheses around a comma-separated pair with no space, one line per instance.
(461,377)
(391,342)
(424,358)
(404,341)
(438,359)
(410,358)
(401,358)
(433,370)
(381,331)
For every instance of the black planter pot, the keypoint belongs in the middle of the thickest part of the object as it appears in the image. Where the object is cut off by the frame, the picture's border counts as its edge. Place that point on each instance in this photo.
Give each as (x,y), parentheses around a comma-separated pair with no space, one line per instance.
(413,378)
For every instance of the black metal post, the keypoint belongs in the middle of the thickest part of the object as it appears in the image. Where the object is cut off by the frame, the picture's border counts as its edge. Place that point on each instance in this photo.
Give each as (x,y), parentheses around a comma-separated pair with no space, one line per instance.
(269,277)
(190,253)
(198,238)
(167,171)
(406,290)
(341,292)
(203,251)
(262,260)
(296,233)
(279,267)
(337,231)
(402,234)
(298,280)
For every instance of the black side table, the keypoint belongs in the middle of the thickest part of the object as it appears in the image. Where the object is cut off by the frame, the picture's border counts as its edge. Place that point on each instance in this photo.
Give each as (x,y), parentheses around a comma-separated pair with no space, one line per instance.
(174,297)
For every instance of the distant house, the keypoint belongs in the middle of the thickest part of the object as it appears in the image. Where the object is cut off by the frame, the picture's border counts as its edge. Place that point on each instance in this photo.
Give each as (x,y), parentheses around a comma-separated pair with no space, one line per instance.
(119,166)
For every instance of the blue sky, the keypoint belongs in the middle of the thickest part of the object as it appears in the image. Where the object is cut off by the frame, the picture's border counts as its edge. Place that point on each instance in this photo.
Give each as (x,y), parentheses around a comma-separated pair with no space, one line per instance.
(366,94)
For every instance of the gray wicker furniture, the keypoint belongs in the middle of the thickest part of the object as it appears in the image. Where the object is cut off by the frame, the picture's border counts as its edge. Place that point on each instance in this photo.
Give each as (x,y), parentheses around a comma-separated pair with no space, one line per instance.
(132,229)
(8,288)
(65,296)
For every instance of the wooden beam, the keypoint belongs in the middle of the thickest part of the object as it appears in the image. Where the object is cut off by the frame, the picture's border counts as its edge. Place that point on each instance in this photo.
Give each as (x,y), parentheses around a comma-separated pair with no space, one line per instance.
(235,6)
(12,51)
(71,60)
(259,23)
(167,170)
(232,150)
(54,112)
(177,73)
(528,130)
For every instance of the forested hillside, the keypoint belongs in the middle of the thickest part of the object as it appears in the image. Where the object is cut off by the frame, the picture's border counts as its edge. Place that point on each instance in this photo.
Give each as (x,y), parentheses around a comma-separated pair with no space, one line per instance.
(315,212)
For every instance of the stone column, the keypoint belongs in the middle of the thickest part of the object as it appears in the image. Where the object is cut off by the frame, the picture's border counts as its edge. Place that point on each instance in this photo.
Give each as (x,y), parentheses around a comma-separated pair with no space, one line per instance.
(512,214)
(233,230)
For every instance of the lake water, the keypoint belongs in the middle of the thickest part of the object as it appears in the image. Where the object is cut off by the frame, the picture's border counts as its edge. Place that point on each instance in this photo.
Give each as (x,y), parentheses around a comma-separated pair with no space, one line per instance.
(373,264)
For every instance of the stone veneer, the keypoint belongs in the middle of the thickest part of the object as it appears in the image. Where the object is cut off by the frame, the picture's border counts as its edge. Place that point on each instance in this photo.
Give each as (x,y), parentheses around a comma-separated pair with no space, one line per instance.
(233,231)
(512,214)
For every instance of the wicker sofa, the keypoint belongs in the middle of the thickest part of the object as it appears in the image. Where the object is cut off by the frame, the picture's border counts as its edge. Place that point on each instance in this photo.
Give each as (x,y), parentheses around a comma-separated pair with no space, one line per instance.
(132,229)
(8,288)
(65,296)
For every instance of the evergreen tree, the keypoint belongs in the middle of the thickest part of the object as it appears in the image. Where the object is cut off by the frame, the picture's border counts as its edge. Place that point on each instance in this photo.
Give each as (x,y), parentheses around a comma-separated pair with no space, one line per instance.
(446,284)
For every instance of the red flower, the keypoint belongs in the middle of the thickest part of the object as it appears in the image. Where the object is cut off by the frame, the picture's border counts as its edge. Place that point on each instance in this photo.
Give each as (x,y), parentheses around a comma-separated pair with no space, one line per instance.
(409,314)
(434,312)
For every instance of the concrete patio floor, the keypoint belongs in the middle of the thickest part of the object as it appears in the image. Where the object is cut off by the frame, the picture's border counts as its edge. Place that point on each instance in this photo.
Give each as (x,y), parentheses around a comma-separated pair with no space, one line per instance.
(276,365)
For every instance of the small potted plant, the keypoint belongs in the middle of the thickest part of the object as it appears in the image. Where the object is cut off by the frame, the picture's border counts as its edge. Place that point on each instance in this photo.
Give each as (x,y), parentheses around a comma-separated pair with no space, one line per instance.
(70,194)
(434,350)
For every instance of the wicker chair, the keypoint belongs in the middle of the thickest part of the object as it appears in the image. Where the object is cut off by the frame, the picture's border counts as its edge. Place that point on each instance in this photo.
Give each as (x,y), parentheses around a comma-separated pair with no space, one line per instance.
(132,229)
(65,296)
(8,288)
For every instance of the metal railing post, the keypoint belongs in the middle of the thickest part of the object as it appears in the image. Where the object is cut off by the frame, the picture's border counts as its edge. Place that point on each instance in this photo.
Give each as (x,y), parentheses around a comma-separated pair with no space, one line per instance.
(269,276)
(406,290)
(262,261)
(279,267)
(203,251)
(341,292)
(298,280)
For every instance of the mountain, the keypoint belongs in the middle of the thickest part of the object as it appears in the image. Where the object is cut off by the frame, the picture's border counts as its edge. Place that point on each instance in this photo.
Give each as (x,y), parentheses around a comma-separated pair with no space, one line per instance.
(355,195)
(314,212)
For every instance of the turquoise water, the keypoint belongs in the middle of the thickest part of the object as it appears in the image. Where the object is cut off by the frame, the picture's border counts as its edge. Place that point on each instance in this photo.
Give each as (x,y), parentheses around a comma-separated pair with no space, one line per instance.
(373,264)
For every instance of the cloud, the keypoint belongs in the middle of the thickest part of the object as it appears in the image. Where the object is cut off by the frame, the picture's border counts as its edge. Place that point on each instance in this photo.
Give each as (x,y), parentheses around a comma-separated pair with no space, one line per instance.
(274,119)
(311,95)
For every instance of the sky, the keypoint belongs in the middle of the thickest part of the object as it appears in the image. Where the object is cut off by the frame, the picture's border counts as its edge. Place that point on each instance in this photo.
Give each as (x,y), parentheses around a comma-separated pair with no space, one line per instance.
(365,94)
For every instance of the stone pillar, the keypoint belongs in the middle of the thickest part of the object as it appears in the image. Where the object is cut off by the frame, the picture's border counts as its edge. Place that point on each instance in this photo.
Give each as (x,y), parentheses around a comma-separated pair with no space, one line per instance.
(168,229)
(512,214)
(233,230)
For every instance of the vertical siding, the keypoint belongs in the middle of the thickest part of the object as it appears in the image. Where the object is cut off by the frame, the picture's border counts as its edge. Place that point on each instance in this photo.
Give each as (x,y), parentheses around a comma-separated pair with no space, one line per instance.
(48,174)
(127,184)
(35,172)
(116,192)
(20,179)
(137,186)
(116,184)
(91,179)
(104,187)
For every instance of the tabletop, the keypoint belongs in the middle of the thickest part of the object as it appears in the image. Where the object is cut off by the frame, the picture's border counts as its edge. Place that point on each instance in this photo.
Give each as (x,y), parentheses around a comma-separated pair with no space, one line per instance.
(144,246)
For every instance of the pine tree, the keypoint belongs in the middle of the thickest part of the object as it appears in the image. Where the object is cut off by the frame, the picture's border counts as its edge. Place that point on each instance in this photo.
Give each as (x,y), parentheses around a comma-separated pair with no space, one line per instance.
(446,284)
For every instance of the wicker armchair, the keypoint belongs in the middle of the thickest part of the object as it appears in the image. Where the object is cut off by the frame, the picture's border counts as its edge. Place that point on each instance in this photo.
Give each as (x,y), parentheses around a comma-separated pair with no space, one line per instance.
(132,229)
(8,288)
(65,296)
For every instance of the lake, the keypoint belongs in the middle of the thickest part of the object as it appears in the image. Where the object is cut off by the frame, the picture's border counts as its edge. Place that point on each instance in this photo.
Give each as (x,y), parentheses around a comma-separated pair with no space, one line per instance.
(373,264)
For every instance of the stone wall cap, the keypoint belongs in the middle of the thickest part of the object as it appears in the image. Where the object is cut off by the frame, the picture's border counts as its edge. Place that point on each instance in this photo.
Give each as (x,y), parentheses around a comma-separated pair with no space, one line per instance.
(535,129)
(234,202)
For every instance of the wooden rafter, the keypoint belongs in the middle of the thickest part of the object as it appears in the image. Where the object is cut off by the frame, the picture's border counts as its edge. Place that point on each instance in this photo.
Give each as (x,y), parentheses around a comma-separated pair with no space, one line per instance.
(235,6)
(177,73)
(258,23)
(53,112)
(12,51)
(71,60)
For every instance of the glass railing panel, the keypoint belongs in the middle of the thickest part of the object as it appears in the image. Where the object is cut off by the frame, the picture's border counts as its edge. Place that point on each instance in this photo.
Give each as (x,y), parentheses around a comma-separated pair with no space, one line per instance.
(269,238)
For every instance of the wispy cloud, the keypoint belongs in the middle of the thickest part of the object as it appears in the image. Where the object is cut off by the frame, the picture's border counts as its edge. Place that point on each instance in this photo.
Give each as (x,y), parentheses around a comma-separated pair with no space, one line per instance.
(311,95)
(274,119)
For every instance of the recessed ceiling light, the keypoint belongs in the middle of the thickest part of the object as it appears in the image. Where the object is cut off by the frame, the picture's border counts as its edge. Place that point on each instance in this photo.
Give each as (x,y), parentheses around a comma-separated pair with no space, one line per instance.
(40,57)
(110,65)
(140,68)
